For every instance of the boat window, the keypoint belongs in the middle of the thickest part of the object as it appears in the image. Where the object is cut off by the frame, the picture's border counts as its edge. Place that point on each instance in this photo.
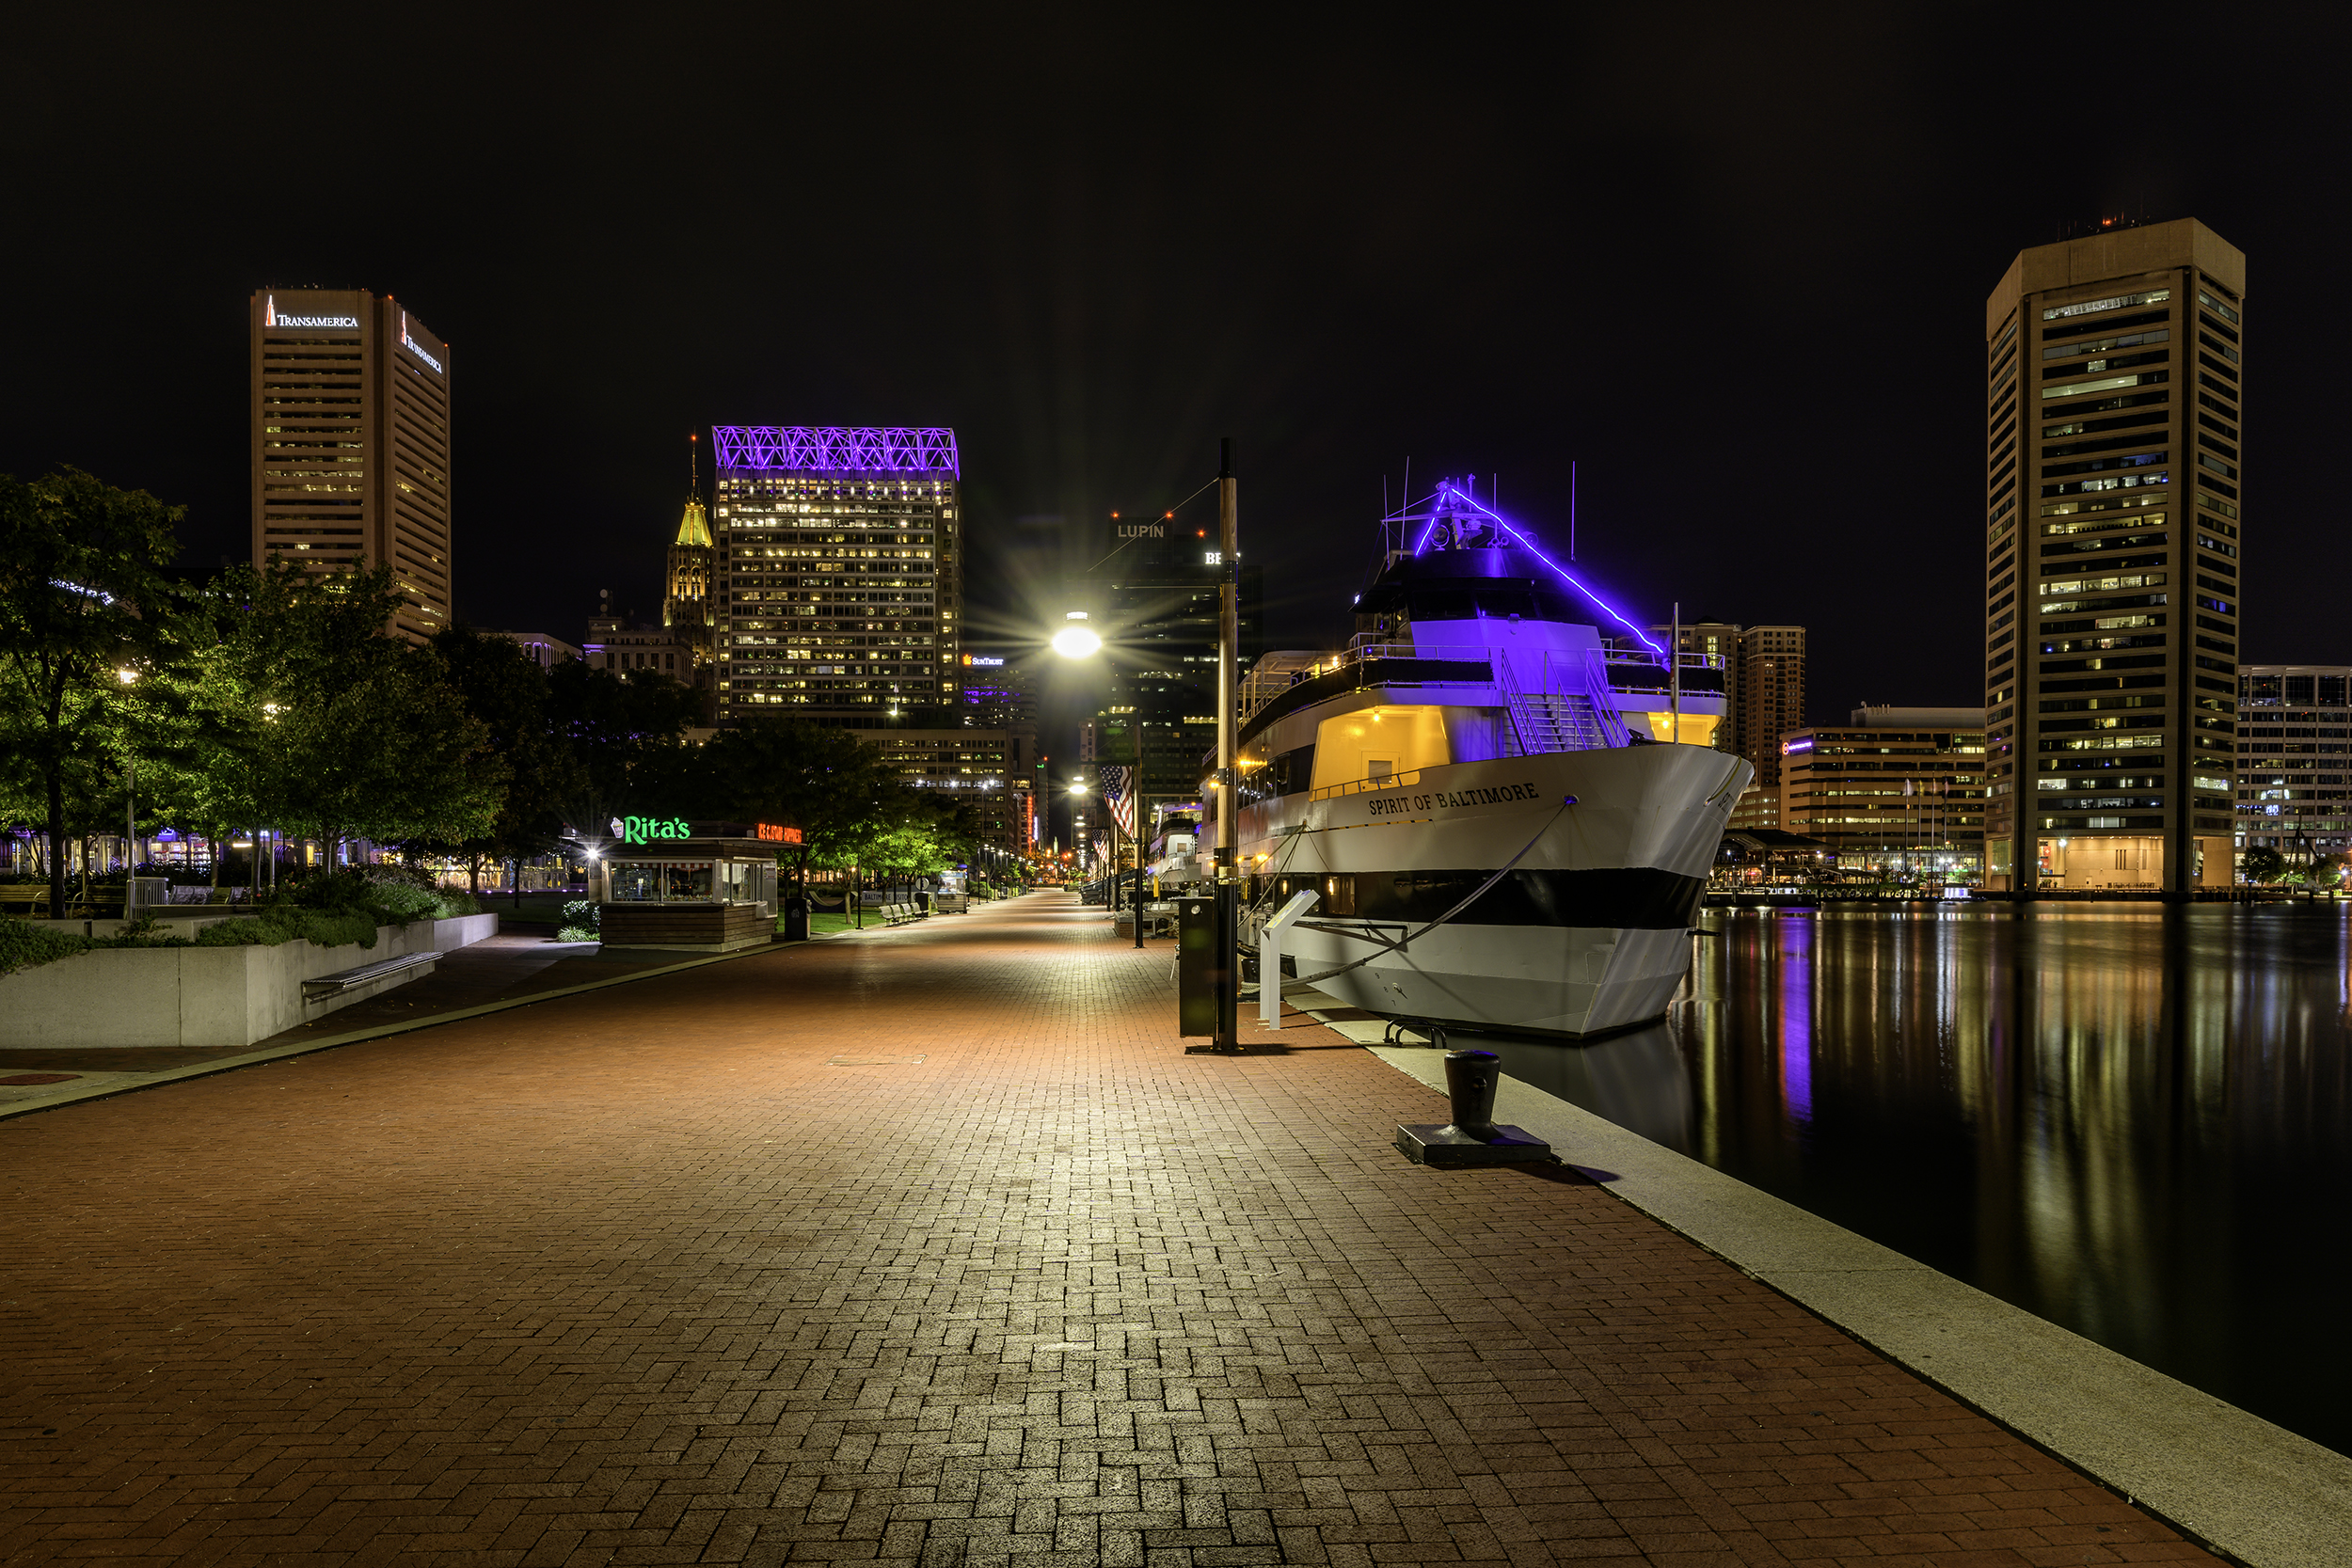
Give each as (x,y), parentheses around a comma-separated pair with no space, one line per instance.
(1385,742)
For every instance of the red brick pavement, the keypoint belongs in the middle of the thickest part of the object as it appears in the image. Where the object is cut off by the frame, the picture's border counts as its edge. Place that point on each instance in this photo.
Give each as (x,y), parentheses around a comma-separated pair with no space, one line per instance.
(639,1277)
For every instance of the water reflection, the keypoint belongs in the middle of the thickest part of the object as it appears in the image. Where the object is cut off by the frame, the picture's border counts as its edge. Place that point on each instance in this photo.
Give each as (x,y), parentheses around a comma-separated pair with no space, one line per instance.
(2128,1120)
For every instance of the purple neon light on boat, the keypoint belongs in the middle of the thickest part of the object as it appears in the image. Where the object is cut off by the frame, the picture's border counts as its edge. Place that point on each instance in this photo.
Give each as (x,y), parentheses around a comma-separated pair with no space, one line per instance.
(838,449)
(1529,545)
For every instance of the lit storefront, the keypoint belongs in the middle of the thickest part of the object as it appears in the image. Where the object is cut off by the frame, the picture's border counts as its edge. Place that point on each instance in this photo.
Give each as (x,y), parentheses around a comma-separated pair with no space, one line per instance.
(706,887)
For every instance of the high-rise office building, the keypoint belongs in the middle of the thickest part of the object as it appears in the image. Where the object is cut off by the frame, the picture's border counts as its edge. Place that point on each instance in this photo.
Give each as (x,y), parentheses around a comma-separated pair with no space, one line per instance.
(2112,368)
(351,444)
(839,573)
(1155,593)
(2294,737)
(1763,675)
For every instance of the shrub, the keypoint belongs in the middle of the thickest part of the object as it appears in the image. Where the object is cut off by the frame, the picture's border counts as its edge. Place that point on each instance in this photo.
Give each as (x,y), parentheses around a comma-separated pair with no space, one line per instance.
(577,933)
(386,895)
(582,914)
(22,944)
(285,922)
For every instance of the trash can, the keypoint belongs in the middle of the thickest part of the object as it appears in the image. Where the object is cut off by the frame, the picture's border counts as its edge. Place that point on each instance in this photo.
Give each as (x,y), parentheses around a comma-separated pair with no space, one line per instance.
(795,918)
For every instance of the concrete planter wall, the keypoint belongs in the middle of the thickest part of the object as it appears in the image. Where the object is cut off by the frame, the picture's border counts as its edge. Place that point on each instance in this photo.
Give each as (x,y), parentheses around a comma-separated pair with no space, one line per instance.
(203,996)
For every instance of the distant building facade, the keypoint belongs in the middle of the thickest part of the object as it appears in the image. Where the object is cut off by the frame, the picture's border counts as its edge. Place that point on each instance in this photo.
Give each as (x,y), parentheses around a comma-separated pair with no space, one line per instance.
(351,444)
(2112,489)
(1000,693)
(1893,788)
(542,650)
(619,647)
(971,767)
(2293,727)
(1156,595)
(1763,677)
(838,571)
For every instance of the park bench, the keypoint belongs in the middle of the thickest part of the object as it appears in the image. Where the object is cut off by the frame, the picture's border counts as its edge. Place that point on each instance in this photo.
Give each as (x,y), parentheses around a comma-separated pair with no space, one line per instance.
(324,986)
(899,914)
(28,901)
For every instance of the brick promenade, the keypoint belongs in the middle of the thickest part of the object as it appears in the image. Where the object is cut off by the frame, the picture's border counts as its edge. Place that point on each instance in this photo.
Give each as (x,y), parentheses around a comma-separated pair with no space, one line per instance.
(693,1271)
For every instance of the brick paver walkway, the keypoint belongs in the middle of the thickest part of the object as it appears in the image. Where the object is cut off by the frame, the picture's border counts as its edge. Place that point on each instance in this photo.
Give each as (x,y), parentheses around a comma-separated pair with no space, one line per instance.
(709,1268)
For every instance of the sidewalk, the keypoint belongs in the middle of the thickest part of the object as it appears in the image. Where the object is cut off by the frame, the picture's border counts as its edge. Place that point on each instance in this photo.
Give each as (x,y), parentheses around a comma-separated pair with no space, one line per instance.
(506,969)
(936,1249)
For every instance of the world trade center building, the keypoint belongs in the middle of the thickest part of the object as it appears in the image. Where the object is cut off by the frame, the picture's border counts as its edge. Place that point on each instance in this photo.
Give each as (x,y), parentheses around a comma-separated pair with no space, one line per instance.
(2113,492)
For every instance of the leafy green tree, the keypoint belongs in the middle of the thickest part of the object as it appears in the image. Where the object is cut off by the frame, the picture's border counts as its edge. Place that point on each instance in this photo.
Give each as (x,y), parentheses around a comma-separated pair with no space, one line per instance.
(84,593)
(508,695)
(621,733)
(318,722)
(2262,864)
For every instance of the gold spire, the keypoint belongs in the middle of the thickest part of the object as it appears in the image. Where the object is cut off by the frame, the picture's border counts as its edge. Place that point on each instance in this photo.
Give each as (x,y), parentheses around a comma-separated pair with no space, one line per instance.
(694,529)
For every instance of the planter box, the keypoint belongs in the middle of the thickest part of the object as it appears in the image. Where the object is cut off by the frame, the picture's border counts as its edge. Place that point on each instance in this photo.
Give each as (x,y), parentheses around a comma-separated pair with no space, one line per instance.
(203,996)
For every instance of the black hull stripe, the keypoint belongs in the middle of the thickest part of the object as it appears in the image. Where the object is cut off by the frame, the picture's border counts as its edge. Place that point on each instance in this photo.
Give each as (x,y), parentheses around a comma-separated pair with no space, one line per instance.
(1637,898)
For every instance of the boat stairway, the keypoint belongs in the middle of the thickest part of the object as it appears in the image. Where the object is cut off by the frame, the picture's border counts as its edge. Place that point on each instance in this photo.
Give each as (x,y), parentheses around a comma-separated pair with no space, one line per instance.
(1554,722)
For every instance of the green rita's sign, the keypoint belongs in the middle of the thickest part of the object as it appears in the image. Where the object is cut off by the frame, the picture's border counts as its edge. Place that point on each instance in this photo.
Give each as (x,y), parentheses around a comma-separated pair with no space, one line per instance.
(645,829)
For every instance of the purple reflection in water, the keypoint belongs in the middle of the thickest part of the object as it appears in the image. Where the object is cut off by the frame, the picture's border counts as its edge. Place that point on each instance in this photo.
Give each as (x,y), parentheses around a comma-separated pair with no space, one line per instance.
(1795,995)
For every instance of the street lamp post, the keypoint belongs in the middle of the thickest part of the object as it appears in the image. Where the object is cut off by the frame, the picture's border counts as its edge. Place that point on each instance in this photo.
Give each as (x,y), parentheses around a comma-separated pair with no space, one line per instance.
(1226,970)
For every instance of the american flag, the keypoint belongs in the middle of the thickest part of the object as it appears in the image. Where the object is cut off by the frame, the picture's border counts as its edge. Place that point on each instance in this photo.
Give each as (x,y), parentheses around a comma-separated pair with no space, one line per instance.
(1117,796)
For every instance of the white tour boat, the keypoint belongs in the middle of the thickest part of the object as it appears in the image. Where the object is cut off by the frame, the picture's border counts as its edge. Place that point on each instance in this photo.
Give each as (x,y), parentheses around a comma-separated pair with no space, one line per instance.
(1508,820)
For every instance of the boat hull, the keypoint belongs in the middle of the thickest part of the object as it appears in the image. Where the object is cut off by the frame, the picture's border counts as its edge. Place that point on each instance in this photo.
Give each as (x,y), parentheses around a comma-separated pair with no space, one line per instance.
(1587,933)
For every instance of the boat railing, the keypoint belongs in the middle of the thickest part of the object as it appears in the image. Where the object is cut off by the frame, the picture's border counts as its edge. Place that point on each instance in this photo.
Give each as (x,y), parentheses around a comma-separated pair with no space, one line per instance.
(1564,672)
(1364,786)
(1268,678)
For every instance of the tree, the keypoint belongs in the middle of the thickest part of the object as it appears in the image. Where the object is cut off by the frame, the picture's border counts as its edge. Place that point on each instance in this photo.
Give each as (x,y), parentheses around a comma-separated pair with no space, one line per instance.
(2262,864)
(829,783)
(83,594)
(621,733)
(507,693)
(319,722)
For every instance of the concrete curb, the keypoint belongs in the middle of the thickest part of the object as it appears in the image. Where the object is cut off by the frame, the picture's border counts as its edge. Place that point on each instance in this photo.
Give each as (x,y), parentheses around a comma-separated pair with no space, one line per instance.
(406,1026)
(2251,1490)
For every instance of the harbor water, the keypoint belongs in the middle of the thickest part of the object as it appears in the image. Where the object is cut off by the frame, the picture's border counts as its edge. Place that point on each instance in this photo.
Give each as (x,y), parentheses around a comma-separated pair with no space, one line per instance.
(2133,1120)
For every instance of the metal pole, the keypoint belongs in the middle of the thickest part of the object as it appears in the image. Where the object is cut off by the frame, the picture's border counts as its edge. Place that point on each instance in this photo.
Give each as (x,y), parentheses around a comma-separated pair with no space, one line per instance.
(1228,797)
(1143,828)
(1674,677)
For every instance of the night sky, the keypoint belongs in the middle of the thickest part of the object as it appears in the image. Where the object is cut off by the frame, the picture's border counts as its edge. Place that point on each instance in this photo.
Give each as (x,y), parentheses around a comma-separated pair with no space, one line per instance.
(1732,265)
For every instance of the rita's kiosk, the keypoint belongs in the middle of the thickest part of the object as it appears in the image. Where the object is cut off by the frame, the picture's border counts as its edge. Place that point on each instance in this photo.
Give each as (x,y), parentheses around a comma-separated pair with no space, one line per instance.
(699,887)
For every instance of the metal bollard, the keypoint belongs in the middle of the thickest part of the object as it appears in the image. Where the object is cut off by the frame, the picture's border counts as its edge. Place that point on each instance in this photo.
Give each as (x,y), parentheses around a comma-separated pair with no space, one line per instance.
(1472,1138)
(1470,1080)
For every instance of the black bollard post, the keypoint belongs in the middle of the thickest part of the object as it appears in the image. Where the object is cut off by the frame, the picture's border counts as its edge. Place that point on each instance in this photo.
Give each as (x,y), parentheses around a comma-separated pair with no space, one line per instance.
(1472,1138)
(1470,1080)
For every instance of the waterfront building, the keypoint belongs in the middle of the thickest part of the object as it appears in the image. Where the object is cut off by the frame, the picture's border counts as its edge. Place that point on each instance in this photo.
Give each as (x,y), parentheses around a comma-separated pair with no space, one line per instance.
(351,444)
(2112,490)
(2292,720)
(1894,789)
(838,573)
(542,650)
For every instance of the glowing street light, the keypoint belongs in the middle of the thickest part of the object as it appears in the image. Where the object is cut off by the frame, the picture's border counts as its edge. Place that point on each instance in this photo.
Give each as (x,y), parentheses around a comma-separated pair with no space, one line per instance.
(1076,641)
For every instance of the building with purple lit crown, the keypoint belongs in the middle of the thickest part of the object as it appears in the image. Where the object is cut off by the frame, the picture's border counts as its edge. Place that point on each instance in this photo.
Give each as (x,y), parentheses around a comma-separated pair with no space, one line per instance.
(840,572)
